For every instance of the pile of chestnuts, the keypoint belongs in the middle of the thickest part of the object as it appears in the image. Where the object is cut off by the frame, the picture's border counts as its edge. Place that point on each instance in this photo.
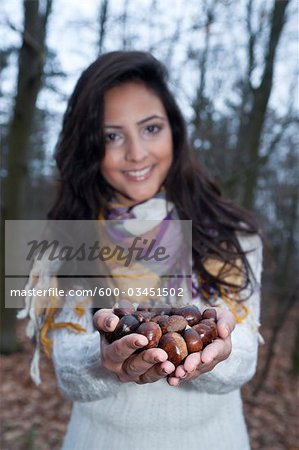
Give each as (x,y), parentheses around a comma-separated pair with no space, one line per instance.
(178,331)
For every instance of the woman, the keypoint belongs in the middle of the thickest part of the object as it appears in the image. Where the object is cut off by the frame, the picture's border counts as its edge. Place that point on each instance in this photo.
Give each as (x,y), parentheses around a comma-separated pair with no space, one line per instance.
(124,140)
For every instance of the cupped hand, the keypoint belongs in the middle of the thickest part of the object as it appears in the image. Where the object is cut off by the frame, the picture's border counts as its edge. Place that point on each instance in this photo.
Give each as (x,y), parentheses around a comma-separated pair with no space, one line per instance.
(118,357)
(201,362)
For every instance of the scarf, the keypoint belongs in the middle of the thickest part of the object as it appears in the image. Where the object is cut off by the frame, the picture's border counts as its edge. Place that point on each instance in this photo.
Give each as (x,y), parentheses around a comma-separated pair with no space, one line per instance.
(151,227)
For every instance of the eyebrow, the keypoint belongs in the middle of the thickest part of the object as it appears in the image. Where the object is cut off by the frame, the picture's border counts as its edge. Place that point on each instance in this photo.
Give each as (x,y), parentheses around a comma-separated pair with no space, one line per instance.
(154,116)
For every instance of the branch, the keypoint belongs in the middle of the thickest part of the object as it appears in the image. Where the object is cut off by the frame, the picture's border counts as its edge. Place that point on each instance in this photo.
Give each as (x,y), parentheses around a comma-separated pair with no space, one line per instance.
(251,42)
(48,11)
(102,20)
(173,41)
(288,119)
(277,138)
(27,38)
(124,19)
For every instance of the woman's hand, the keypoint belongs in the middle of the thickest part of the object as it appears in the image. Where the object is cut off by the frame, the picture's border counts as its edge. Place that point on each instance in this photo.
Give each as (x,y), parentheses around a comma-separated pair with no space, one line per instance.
(205,361)
(146,367)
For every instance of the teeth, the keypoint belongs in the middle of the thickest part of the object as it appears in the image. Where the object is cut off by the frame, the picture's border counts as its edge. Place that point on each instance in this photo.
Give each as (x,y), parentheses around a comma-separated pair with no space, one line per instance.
(139,173)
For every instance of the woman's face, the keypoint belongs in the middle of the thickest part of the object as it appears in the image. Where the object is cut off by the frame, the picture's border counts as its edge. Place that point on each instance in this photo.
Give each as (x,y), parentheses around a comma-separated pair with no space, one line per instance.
(138,151)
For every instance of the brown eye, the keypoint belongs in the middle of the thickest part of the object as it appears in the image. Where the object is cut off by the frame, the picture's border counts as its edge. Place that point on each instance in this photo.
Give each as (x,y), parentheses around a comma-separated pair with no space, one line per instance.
(153,129)
(110,137)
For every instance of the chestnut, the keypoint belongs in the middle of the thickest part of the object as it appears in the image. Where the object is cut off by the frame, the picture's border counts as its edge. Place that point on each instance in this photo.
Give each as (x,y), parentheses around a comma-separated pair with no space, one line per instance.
(146,306)
(205,333)
(161,311)
(193,340)
(152,332)
(190,313)
(210,313)
(173,324)
(126,325)
(124,308)
(142,316)
(210,323)
(108,336)
(160,318)
(175,346)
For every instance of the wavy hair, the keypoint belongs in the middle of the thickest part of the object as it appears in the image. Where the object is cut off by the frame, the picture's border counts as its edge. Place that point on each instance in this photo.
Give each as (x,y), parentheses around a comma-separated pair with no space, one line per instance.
(84,193)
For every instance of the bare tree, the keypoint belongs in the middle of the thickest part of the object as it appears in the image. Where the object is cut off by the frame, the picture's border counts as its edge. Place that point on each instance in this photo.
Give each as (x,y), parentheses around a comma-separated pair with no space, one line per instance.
(256,100)
(30,77)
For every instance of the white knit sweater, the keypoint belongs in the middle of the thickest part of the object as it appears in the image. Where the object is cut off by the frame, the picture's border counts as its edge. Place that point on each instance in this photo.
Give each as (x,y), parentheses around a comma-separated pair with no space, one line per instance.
(205,413)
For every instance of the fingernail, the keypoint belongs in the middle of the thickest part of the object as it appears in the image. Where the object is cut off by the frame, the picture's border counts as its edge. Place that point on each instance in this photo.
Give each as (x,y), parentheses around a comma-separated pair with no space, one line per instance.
(108,321)
(139,344)
(226,331)
(183,376)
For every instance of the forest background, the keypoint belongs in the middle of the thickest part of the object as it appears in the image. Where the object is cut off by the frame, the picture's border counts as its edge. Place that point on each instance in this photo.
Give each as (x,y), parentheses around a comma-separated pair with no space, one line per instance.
(233,66)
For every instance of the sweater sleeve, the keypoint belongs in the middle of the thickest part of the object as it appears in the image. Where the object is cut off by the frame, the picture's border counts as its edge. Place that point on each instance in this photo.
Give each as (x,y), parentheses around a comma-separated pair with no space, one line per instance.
(240,366)
(77,359)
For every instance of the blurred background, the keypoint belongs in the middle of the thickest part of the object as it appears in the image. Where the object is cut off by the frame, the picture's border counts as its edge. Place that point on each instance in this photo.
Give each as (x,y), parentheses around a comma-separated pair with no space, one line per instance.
(233,67)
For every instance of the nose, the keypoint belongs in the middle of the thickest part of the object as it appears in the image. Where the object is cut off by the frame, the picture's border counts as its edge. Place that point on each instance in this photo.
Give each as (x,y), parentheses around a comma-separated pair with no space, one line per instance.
(136,149)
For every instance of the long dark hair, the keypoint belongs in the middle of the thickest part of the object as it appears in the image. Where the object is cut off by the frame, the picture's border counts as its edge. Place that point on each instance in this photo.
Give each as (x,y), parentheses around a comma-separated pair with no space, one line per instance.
(83,191)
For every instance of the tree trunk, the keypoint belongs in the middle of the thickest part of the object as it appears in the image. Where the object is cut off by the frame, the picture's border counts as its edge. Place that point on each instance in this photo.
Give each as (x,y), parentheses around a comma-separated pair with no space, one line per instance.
(252,122)
(30,74)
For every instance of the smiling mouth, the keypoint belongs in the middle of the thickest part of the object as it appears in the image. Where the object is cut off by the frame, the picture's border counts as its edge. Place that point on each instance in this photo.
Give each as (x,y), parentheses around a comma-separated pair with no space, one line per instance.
(139,175)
